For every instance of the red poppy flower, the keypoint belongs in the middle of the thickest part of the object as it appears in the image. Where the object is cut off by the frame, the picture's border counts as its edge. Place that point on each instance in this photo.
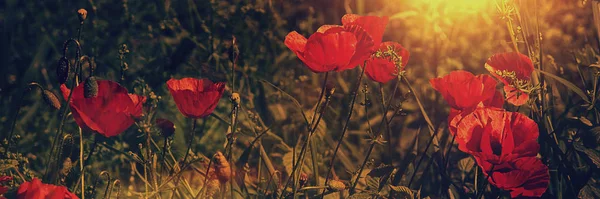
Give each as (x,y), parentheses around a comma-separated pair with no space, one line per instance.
(523,177)
(4,189)
(374,25)
(323,51)
(109,113)
(339,48)
(195,98)
(373,28)
(464,92)
(514,70)
(389,60)
(37,189)
(496,135)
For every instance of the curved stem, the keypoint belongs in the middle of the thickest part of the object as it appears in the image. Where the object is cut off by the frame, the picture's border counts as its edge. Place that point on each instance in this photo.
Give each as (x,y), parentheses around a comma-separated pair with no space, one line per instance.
(337,147)
(65,106)
(16,116)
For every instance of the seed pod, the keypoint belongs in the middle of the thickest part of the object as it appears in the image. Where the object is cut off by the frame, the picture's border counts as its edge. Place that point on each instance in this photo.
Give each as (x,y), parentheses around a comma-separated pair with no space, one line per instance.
(90,87)
(62,70)
(166,127)
(51,99)
(82,13)
(336,185)
(222,167)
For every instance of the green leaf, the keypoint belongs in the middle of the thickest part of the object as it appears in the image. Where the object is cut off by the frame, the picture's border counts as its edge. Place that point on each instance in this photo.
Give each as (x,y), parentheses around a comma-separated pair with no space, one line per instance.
(466,164)
(590,190)
(592,154)
(381,171)
(568,84)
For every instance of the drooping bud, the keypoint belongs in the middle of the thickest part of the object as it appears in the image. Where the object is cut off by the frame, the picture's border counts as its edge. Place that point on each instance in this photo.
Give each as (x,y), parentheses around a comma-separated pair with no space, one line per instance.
(90,87)
(336,185)
(62,70)
(51,99)
(222,168)
(235,98)
(166,127)
(82,13)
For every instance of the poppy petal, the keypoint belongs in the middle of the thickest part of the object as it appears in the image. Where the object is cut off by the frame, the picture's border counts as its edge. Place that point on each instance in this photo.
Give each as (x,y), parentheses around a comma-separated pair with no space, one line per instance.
(373,25)
(331,51)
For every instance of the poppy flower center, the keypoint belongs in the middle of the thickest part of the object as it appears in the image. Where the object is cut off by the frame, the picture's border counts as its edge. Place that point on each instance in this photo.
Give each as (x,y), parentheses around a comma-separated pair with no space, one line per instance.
(391,55)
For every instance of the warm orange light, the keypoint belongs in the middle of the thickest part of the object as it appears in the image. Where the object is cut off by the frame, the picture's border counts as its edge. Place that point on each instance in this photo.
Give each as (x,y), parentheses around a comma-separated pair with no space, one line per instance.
(458,6)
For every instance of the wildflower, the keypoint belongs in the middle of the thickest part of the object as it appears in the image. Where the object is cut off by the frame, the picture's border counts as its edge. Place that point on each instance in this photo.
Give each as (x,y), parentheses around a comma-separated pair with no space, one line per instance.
(195,98)
(338,48)
(495,135)
(324,51)
(166,127)
(373,25)
(4,189)
(109,113)
(464,92)
(514,70)
(523,177)
(37,189)
(387,63)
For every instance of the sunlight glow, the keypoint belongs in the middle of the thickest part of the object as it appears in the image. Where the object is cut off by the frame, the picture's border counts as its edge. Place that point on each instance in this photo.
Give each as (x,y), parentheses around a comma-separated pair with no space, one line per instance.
(458,6)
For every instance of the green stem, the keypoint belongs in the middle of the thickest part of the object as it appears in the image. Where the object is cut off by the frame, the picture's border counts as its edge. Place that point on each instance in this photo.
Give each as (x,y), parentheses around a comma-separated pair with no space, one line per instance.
(187,152)
(337,147)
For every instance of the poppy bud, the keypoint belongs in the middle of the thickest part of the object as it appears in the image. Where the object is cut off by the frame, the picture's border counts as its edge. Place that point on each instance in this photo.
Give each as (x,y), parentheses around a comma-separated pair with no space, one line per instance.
(51,99)
(336,185)
(62,70)
(235,98)
(223,170)
(166,127)
(82,14)
(90,87)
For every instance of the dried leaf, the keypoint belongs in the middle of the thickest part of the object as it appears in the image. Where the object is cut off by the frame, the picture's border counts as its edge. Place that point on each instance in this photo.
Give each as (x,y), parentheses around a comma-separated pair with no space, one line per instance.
(381,171)
(402,192)
(590,190)
(362,196)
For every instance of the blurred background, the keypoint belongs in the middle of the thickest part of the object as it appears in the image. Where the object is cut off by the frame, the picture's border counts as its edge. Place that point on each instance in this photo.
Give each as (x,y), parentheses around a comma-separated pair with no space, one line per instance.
(185,38)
